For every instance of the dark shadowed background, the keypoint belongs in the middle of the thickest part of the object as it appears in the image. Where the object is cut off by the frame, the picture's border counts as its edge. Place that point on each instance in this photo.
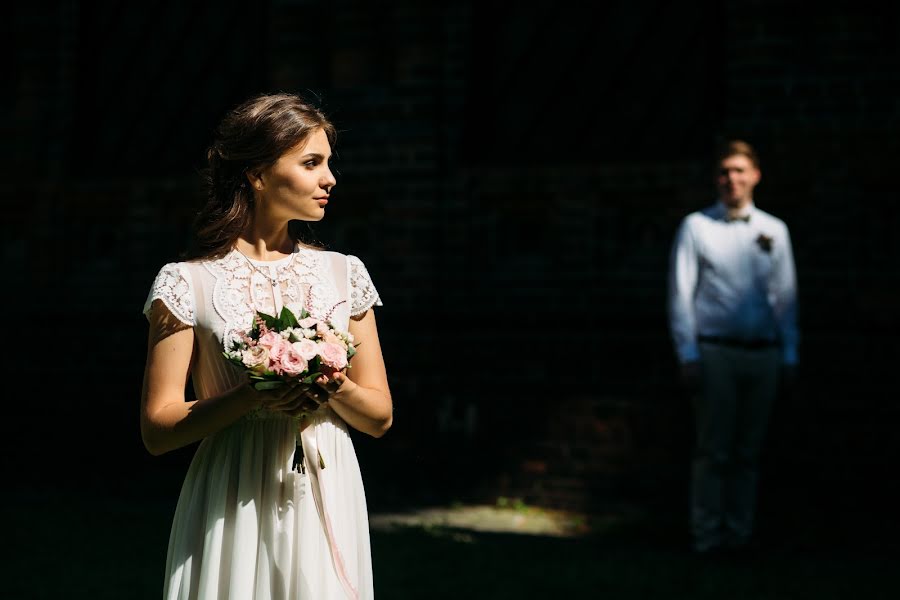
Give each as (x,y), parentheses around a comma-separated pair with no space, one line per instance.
(512,177)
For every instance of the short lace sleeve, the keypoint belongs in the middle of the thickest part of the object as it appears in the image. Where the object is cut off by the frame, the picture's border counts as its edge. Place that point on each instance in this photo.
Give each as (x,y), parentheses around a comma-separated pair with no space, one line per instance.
(363,294)
(173,286)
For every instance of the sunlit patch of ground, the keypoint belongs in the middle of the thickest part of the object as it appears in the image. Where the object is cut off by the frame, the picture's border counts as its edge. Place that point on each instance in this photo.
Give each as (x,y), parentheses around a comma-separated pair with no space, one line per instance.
(528,520)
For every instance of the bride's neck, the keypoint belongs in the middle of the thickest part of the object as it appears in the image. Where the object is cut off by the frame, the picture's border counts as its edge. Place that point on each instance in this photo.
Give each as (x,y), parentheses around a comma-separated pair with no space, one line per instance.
(265,248)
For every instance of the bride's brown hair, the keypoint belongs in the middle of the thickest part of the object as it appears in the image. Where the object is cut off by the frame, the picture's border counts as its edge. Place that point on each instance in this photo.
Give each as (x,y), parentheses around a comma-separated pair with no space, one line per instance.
(249,138)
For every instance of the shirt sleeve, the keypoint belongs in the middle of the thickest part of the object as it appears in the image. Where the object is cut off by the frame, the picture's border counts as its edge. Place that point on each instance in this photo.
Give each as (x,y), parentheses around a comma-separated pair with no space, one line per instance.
(363,294)
(173,286)
(683,271)
(783,298)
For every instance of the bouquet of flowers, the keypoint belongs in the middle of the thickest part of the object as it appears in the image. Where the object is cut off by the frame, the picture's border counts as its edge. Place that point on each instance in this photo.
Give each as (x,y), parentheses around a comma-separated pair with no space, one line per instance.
(280,349)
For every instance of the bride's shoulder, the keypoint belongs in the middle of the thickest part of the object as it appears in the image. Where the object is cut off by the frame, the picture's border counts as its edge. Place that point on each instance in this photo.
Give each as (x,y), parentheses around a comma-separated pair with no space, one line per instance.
(334,255)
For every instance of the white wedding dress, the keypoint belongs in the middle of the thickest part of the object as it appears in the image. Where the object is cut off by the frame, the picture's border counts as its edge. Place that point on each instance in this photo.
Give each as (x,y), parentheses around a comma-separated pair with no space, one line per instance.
(248,526)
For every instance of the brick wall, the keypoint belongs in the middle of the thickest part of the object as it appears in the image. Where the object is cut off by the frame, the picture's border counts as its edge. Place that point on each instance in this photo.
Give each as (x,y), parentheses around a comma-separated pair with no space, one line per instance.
(507,174)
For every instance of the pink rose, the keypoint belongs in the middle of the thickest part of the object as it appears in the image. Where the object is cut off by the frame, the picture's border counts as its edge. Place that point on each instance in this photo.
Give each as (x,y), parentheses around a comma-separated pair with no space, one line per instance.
(291,362)
(275,343)
(269,339)
(331,338)
(306,348)
(333,355)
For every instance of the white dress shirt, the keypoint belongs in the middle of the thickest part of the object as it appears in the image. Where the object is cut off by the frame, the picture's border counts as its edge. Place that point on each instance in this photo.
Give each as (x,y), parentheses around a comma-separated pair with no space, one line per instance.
(732,279)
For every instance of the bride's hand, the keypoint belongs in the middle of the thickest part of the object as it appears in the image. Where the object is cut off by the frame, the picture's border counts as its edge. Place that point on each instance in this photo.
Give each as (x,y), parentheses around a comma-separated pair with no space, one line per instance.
(291,398)
(325,388)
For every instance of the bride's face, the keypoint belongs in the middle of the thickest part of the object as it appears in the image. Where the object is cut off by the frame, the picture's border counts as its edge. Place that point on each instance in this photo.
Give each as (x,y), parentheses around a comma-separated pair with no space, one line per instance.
(297,186)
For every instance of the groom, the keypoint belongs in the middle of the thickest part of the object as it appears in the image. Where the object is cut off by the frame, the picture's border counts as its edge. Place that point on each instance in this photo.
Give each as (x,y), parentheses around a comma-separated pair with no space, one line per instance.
(732,315)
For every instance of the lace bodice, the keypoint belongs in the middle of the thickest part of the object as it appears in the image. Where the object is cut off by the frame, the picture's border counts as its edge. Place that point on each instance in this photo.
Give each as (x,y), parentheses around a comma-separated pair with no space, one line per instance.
(221,295)
(301,282)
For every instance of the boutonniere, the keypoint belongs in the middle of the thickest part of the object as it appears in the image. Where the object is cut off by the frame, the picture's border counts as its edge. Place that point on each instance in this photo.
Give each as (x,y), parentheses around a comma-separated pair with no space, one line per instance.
(765,242)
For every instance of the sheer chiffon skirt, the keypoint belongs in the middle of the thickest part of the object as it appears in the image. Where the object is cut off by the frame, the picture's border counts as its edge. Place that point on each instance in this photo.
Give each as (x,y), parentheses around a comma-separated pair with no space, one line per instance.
(249,527)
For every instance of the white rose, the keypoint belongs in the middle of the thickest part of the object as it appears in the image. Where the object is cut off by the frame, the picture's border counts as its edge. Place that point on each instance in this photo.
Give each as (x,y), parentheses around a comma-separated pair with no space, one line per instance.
(257,356)
(306,348)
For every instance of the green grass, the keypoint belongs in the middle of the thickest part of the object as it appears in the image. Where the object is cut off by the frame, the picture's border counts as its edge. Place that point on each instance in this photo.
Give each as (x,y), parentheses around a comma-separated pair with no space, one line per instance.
(64,545)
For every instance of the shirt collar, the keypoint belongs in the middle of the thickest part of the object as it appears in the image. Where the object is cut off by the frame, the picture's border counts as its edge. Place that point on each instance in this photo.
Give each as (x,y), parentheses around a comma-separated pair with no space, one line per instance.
(721,211)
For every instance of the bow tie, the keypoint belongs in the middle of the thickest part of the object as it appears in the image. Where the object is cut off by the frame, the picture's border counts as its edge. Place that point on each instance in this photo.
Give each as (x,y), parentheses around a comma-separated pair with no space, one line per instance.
(732,219)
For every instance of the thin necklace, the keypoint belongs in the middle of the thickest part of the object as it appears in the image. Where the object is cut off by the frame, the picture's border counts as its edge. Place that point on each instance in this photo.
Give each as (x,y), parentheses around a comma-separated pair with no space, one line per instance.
(273,280)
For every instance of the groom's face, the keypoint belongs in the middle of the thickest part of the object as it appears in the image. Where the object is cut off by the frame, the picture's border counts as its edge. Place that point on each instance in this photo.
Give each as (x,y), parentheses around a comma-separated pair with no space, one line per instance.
(736,178)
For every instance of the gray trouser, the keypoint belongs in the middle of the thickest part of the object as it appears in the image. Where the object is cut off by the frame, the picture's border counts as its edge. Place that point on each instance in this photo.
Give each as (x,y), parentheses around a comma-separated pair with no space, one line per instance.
(732,411)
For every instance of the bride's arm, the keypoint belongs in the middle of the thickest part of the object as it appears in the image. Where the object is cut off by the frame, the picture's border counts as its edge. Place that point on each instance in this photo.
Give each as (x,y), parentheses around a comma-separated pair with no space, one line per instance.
(364,398)
(167,421)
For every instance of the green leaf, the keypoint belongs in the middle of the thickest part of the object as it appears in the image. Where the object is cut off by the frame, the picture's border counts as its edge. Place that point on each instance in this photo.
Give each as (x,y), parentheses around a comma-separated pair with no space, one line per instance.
(287,318)
(267,376)
(269,320)
(268,385)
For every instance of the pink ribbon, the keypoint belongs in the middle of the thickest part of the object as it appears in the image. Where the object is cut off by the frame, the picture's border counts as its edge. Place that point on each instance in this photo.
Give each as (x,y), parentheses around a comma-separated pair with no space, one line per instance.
(309,439)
